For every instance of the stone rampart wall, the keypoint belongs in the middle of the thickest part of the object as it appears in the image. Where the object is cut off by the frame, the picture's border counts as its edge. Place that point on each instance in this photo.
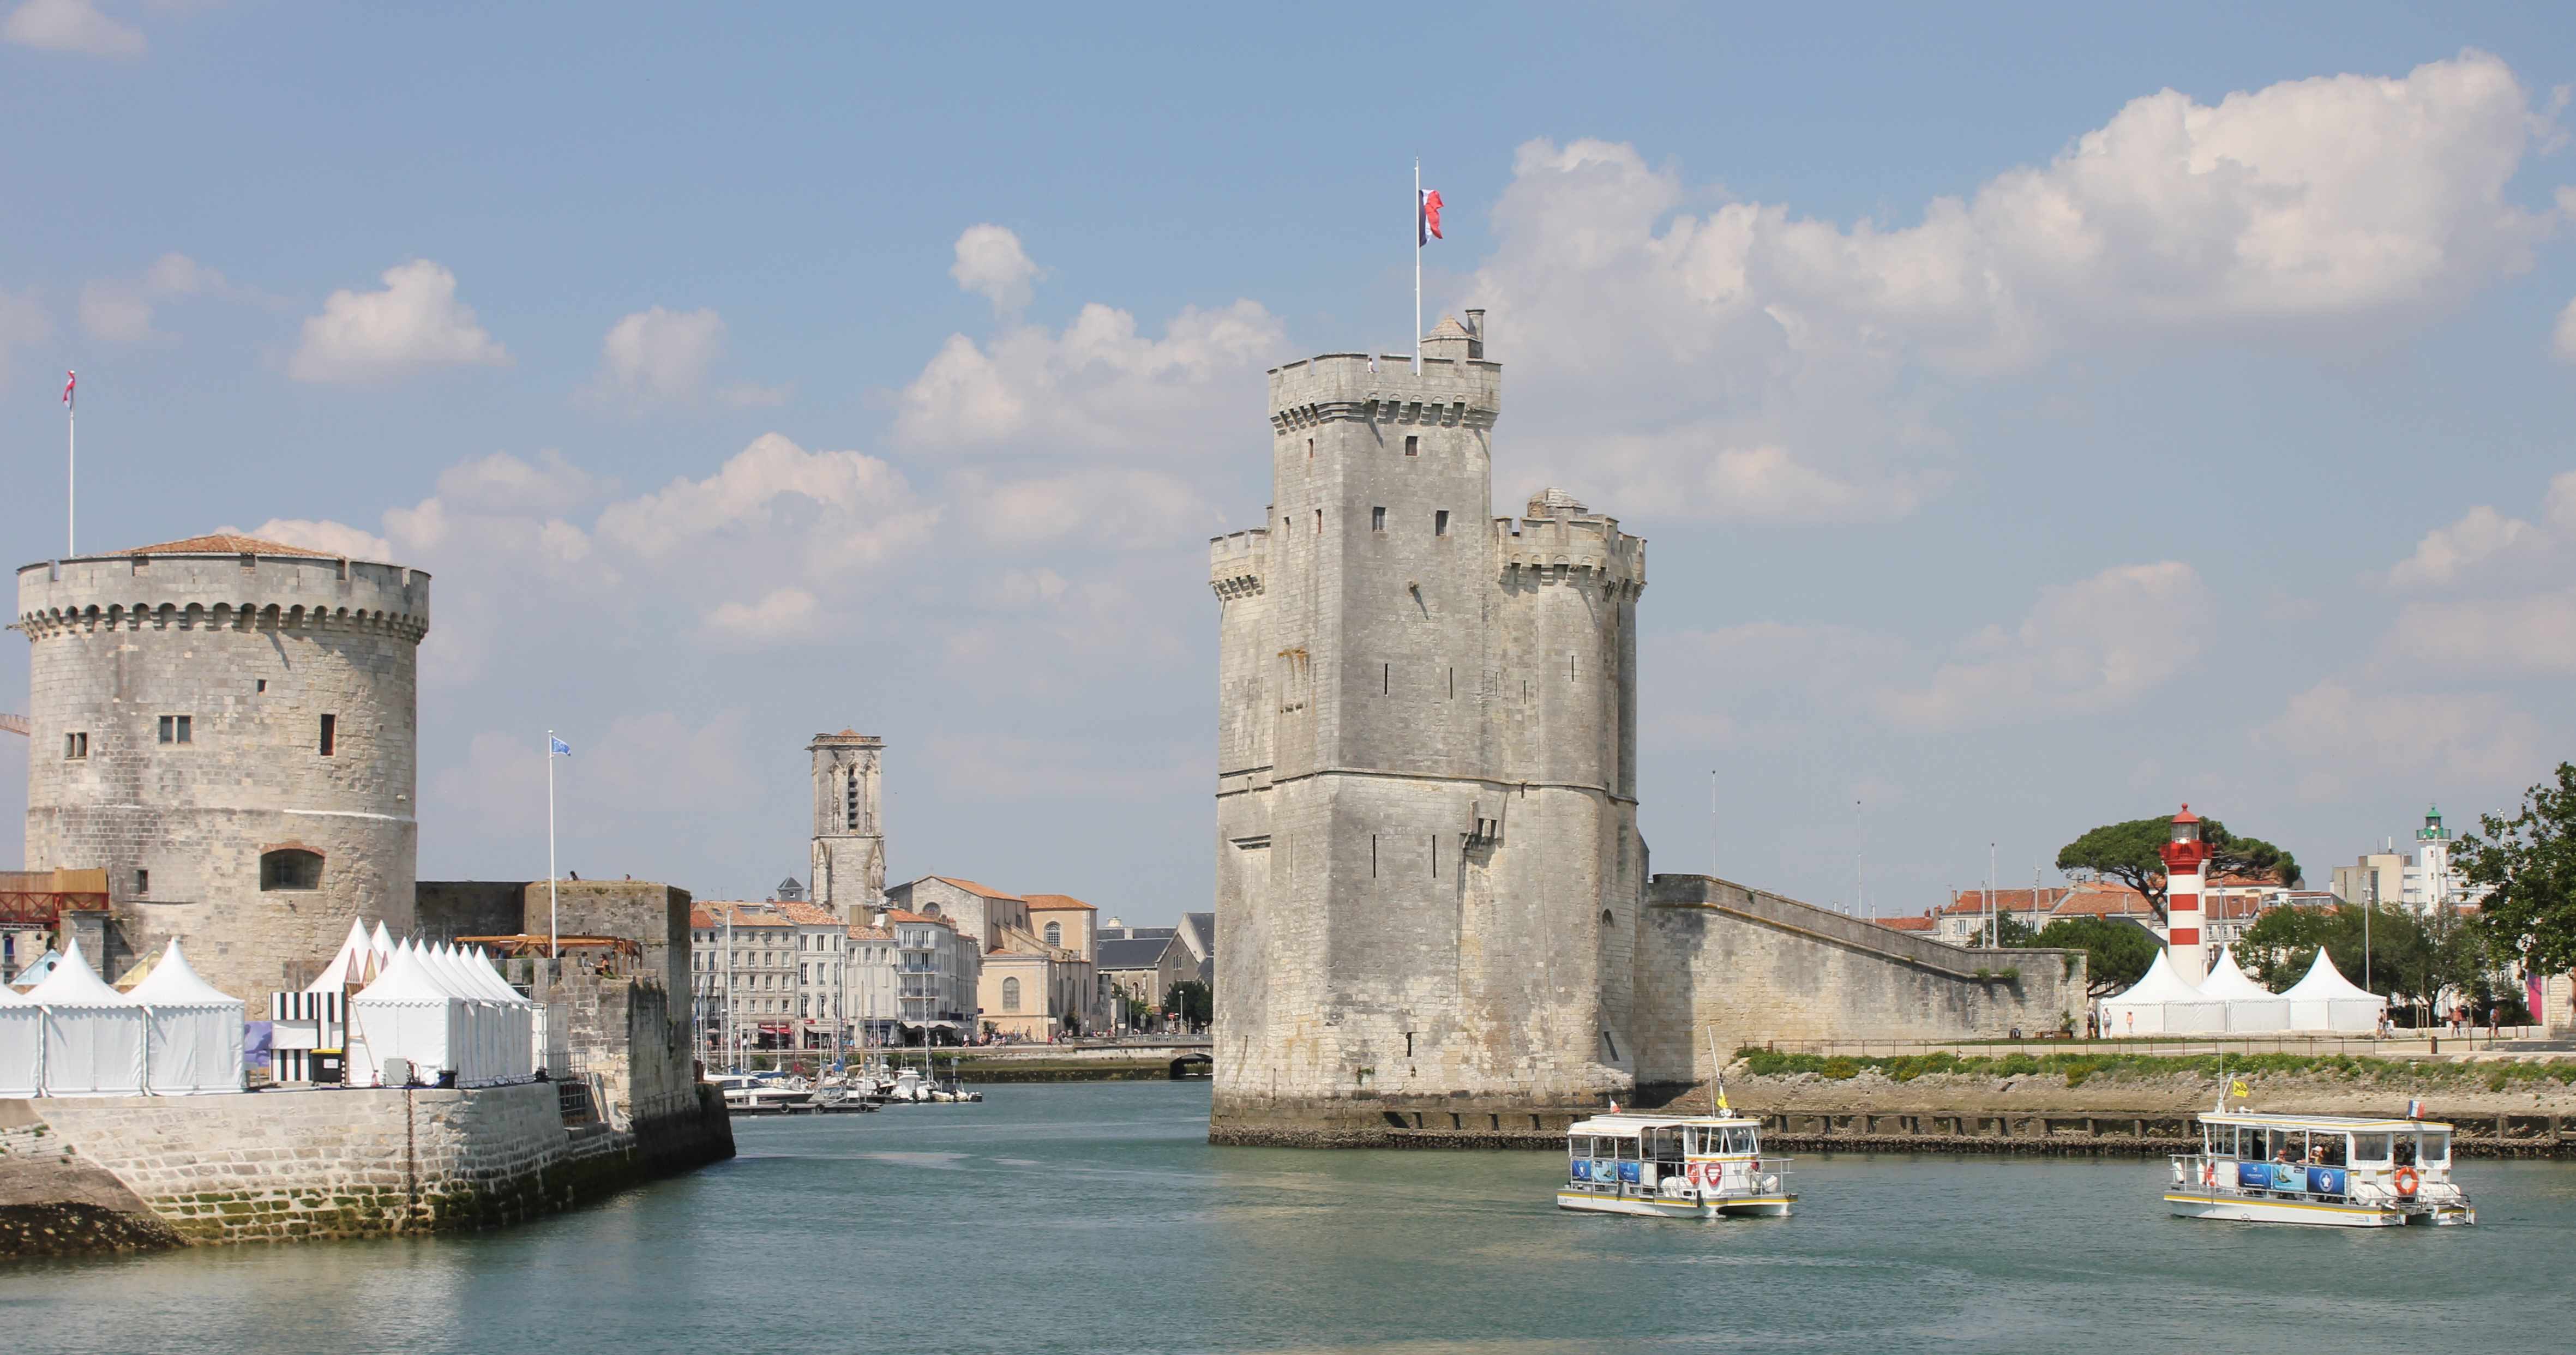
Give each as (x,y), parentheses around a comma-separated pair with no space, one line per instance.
(1723,962)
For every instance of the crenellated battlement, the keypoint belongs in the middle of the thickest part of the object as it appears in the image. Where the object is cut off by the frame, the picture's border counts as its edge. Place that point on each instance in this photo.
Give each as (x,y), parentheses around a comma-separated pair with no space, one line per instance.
(226,591)
(1565,548)
(1239,562)
(1448,392)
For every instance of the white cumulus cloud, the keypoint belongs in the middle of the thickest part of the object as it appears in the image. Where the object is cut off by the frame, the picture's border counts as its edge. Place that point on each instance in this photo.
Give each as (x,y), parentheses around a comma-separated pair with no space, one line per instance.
(991,264)
(2563,343)
(2085,646)
(1109,507)
(71,26)
(120,309)
(416,322)
(2346,738)
(1749,331)
(838,509)
(782,614)
(659,354)
(1097,386)
(2482,536)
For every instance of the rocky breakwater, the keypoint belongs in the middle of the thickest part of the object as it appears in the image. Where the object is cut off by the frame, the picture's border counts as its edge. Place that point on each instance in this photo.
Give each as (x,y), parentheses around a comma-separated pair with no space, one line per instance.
(326,1163)
(2094,1103)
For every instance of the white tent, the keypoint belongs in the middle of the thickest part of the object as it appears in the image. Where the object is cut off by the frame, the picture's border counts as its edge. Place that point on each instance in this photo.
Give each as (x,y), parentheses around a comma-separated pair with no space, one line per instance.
(2326,1000)
(22,1044)
(2162,1004)
(93,1034)
(406,1014)
(355,966)
(382,943)
(488,1022)
(192,1030)
(2251,1007)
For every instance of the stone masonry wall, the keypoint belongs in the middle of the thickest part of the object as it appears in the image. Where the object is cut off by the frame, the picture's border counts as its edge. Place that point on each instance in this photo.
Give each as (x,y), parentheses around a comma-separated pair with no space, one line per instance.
(295,1165)
(1720,960)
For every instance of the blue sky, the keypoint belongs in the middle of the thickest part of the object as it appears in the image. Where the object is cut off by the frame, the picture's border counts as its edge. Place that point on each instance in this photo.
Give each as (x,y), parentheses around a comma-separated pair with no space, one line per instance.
(2036,419)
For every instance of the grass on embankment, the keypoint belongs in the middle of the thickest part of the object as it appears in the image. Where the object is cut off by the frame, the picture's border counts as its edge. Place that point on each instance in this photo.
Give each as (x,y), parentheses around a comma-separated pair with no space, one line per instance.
(2077,1069)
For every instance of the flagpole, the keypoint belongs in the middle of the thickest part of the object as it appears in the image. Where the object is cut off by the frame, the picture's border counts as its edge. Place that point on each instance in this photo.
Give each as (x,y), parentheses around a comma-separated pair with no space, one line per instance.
(553,944)
(1417,265)
(71,466)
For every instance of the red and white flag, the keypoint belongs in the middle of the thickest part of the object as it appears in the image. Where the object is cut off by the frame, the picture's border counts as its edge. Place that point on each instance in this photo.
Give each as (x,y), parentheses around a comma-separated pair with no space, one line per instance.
(1426,224)
(70,379)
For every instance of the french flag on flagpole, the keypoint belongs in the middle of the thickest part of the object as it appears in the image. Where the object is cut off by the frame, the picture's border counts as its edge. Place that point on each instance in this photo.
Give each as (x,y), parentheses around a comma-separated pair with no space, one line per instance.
(70,379)
(1426,217)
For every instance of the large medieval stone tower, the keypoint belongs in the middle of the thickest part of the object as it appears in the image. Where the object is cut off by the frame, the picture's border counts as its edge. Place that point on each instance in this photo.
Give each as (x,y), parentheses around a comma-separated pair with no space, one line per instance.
(1428,873)
(849,830)
(229,728)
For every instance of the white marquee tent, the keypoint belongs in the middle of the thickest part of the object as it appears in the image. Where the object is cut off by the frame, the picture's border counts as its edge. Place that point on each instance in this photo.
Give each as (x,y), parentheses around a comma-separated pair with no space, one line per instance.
(406,1014)
(22,1044)
(2326,1000)
(2251,1008)
(2162,1004)
(192,1030)
(355,966)
(93,1034)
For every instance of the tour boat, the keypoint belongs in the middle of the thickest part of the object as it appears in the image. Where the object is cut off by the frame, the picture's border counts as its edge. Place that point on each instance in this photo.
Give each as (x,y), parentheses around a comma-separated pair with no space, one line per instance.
(1673,1167)
(2340,1170)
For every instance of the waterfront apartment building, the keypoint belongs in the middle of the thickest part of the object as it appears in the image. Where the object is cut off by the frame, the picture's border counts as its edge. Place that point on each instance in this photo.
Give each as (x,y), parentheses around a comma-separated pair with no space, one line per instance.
(769,975)
(2429,881)
(871,983)
(936,970)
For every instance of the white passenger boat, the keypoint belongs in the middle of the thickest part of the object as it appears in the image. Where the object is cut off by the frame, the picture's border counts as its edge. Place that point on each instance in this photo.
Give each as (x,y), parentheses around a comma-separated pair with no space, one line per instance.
(2337,1170)
(1673,1167)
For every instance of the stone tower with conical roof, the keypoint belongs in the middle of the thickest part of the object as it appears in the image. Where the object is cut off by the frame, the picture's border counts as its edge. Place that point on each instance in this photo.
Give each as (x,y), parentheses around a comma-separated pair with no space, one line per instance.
(1428,868)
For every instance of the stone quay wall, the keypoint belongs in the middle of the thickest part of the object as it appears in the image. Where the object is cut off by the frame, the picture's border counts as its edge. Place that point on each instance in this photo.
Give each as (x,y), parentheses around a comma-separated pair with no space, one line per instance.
(296,1165)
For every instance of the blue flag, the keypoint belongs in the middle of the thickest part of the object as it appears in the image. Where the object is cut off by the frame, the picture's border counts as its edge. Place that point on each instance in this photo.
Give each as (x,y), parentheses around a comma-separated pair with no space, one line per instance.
(560,749)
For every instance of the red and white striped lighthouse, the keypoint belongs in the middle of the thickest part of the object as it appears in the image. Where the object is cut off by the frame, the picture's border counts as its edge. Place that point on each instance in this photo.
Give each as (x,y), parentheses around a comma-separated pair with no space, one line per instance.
(2186,857)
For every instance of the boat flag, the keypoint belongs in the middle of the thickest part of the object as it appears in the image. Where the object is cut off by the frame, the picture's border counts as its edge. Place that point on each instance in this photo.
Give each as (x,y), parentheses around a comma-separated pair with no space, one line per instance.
(2414,1108)
(2237,1088)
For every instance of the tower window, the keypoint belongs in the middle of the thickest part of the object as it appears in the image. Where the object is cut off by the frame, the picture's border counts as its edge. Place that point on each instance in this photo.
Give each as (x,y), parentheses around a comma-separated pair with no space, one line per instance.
(1310,449)
(175,729)
(1319,522)
(290,868)
(260,685)
(76,745)
(850,803)
(1435,856)
(1377,519)
(330,734)
(1440,523)
(1413,446)
(142,882)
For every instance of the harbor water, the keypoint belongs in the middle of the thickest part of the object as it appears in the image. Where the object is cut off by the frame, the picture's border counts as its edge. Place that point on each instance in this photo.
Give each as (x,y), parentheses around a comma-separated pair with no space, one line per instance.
(1094,1218)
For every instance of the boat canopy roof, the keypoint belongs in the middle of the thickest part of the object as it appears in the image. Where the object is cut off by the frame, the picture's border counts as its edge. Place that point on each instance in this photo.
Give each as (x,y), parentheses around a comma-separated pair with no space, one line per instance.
(2339,1123)
(1630,1123)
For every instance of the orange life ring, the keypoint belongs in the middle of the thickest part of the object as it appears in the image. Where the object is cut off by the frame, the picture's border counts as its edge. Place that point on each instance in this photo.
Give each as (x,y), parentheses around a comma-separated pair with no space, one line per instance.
(2407,1180)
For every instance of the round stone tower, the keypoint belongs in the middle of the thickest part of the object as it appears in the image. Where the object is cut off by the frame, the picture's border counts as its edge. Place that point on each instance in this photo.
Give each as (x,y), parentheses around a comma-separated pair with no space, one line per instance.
(228,727)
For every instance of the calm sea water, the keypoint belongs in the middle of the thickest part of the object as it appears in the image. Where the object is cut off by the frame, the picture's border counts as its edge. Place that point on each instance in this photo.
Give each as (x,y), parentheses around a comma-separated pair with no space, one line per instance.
(1094,1218)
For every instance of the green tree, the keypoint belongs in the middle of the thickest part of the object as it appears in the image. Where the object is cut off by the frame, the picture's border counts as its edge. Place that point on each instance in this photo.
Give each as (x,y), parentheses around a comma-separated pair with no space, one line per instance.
(2412,961)
(2116,954)
(1190,1000)
(2529,863)
(2010,931)
(2131,854)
